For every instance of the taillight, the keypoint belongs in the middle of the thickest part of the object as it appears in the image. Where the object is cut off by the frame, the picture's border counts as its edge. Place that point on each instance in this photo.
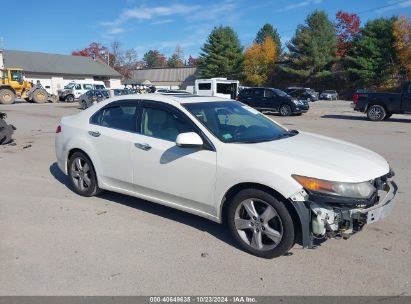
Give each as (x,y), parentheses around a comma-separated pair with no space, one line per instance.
(58,130)
(355,98)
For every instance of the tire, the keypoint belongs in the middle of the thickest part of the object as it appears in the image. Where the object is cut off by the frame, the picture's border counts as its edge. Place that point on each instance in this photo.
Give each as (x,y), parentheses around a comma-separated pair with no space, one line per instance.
(82,176)
(7,96)
(84,105)
(387,116)
(39,96)
(69,98)
(285,110)
(270,233)
(376,113)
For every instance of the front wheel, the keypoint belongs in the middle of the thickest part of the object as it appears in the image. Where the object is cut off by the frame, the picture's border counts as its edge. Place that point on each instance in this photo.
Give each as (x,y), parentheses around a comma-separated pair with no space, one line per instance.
(7,96)
(39,96)
(260,223)
(285,110)
(376,113)
(82,175)
(83,105)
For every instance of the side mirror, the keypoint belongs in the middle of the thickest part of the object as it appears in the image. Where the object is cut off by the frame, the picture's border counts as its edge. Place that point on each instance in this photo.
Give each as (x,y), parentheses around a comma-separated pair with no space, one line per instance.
(189,140)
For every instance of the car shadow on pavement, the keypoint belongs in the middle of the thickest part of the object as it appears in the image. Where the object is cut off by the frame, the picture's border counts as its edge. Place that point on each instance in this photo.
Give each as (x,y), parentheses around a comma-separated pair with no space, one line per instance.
(351,117)
(218,231)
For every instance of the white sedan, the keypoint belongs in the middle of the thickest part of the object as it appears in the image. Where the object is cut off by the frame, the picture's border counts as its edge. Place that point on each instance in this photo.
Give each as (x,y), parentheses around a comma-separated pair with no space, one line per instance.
(225,161)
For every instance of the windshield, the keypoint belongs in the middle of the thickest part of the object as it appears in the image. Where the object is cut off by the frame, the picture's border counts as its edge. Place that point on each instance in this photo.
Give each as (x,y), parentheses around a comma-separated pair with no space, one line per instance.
(234,122)
(105,93)
(70,85)
(280,93)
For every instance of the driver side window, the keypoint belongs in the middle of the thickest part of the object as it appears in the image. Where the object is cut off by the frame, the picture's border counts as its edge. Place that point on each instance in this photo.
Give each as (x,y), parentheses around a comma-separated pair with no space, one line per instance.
(162,124)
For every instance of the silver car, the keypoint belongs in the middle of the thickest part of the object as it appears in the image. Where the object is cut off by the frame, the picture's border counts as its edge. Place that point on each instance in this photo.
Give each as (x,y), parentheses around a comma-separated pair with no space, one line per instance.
(329,95)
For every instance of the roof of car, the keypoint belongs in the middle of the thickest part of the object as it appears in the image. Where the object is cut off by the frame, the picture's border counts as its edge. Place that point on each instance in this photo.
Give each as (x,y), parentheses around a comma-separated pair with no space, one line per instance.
(170,99)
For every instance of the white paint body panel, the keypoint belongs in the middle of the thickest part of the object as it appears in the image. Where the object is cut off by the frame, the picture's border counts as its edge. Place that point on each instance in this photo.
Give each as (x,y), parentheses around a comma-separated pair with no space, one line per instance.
(196,180)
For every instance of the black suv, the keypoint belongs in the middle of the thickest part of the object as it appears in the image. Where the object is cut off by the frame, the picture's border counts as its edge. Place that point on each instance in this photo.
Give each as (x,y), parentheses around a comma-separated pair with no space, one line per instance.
(272,100)
(302,93)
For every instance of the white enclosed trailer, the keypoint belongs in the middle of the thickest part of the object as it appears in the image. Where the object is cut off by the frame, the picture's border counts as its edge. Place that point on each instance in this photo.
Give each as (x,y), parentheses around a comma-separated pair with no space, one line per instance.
(220,87)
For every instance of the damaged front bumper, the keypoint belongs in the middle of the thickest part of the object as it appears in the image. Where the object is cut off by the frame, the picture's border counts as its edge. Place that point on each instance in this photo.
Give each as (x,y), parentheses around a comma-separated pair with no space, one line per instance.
(321,219)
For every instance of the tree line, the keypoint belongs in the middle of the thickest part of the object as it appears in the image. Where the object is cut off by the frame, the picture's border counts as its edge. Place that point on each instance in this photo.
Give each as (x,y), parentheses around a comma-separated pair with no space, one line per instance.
(125,61)
(322,54)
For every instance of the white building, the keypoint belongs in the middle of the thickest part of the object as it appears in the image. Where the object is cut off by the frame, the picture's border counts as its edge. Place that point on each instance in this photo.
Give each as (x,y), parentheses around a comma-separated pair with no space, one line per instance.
(54,71)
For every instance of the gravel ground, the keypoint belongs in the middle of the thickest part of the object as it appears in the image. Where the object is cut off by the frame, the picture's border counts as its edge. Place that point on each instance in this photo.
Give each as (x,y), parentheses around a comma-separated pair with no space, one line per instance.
(54,242)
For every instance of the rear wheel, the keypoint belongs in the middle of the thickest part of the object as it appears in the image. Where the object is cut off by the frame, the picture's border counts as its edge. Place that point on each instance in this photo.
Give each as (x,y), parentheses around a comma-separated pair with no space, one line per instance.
(82,175)
(69,98)
(39,96)
(376,113)
(285,110)
(260,223)
(7,96)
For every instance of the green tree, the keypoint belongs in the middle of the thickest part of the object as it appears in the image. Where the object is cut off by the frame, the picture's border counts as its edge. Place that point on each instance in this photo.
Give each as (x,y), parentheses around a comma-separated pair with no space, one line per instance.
(221,54)
(269,31)
(153,59)
(312,51)
(174,61)
(373,59)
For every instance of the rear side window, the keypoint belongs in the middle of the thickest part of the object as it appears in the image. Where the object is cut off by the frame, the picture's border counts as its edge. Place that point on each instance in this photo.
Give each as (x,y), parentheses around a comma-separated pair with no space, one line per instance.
(121,117)
(204,86)
(258,92)
(87,86)
(99,87)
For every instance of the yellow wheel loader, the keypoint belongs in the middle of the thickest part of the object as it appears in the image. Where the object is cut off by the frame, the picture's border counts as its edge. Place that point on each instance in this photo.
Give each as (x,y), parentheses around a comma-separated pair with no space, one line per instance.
(13,85)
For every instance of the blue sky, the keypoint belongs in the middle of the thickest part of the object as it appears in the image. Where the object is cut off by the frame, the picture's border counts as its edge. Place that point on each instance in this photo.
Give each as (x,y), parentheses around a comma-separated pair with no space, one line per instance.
(63,26)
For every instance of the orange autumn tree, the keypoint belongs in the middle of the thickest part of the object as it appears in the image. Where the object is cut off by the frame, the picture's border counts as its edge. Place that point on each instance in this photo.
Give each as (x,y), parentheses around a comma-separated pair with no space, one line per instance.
(402,44)
(259,60)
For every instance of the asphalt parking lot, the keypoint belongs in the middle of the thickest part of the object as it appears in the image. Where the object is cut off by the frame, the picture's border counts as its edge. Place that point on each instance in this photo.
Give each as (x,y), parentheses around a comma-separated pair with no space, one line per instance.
(54,242)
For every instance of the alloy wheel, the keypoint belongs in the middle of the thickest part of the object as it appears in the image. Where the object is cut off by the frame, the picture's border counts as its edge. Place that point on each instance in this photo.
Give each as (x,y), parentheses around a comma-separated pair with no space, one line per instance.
(375,113)
(285,110)
(80,174)
(258,224)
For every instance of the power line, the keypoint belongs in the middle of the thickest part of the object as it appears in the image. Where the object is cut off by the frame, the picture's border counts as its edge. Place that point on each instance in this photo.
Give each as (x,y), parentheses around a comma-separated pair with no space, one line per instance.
(381,7)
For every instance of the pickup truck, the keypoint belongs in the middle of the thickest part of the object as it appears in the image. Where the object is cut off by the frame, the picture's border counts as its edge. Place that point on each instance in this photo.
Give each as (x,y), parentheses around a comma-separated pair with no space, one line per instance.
(380,106)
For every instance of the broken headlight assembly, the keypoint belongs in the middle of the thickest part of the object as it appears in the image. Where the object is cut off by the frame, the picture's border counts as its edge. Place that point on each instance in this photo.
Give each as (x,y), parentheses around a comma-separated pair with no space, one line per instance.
(361,191)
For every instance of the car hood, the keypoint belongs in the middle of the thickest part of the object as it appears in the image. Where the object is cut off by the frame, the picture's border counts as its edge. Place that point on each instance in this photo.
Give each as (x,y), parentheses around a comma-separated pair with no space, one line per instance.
(321,157)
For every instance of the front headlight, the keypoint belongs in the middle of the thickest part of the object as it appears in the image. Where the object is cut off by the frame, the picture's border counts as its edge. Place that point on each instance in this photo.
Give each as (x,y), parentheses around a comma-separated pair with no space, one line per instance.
(362,190)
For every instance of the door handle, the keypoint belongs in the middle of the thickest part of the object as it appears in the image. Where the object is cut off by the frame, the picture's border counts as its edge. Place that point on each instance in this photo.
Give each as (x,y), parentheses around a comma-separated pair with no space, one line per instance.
(94,133)
(144,147)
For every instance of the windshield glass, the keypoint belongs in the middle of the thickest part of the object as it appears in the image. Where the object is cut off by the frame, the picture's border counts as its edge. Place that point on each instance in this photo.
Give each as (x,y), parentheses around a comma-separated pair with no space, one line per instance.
(70,85)
(280,93)
(105,93)
(234,122)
